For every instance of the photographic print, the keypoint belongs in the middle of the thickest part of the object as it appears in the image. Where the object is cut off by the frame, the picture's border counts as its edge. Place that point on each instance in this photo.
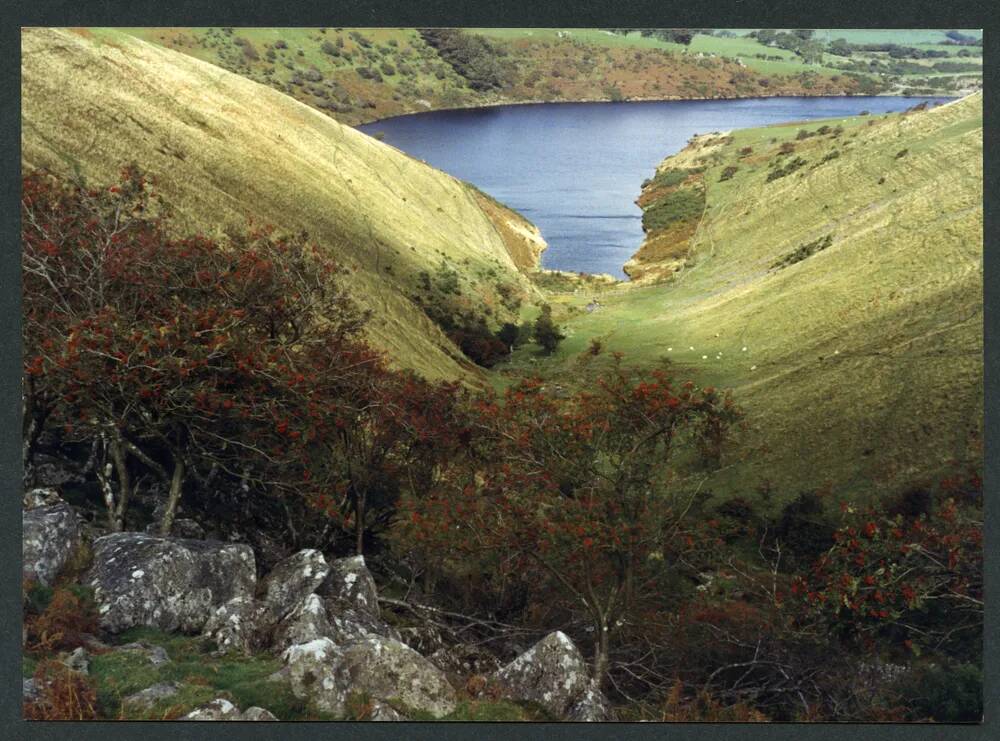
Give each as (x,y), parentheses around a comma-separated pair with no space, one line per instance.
(502,374)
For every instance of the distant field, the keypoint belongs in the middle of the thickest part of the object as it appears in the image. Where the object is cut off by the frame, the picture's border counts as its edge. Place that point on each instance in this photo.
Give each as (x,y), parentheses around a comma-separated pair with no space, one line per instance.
(888,36)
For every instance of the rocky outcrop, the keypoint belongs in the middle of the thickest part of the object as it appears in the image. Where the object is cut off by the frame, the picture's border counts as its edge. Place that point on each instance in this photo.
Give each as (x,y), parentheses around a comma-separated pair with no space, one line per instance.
(305,623)
(50,534)
(222,709)
(166,583)
(464,659)
(351,599)
(553,674)
(156,655)
(236,626)
(351,584)
(384,669)
(592,706)
(292,580)
(147,698)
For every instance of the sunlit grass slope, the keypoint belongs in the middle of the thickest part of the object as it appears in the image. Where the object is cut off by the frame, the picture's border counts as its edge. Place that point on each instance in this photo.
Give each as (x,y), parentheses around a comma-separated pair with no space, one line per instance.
(858,357)
(224,149)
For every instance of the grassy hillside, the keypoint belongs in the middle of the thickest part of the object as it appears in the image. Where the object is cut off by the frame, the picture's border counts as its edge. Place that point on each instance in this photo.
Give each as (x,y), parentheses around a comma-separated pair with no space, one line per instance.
(363,74)
(836,288)
(224,149)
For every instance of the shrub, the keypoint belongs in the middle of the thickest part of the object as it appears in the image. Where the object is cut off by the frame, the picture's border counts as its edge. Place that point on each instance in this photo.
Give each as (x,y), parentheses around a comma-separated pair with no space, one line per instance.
(681,205)
(63,694)
(728,173)
(546,332)
(947,694)
(786,148)
(68,615)
(803,251)
(472,56)
(744,151)
(387,69)
(328,48)
(787,169)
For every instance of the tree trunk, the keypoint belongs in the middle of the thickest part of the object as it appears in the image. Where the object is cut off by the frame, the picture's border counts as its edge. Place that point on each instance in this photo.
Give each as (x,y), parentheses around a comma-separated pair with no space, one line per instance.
(359,524)
(173,498)
(124,486)
(601,653)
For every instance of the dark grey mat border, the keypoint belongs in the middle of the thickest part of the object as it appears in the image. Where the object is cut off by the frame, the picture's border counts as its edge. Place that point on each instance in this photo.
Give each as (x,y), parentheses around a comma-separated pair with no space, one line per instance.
(551,13)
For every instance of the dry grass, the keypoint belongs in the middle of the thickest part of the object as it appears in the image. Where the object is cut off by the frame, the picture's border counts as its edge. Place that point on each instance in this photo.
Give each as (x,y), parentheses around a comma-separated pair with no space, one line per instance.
(863,365)
(224,150)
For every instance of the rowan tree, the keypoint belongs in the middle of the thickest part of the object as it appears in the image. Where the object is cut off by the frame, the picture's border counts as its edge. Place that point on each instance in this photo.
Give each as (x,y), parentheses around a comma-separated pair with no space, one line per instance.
(587,492)
(184,358)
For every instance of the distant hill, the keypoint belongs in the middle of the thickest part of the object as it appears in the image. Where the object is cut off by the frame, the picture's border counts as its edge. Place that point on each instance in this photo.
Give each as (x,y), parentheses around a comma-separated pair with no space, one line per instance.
(830,273)
(224,149)
(363,74)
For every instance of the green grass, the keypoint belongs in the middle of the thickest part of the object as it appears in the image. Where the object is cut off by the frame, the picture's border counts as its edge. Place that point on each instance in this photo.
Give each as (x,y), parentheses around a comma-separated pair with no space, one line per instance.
(203,677)
(863,365)
(910,37)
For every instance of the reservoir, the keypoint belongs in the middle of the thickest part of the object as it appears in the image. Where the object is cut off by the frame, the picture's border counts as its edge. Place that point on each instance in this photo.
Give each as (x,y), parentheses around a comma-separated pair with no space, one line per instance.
(575,169)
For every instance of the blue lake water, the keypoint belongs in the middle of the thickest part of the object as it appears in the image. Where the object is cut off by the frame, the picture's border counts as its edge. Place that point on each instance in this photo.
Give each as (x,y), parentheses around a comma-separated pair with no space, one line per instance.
(575,169)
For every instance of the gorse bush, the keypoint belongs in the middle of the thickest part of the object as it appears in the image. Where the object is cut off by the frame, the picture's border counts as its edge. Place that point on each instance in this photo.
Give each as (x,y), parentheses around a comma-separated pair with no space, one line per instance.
(680,205)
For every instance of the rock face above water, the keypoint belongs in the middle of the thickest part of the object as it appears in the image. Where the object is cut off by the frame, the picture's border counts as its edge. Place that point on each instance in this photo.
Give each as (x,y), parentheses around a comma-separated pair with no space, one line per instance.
(166,583)
(554,674)
(382,668)
(50,533)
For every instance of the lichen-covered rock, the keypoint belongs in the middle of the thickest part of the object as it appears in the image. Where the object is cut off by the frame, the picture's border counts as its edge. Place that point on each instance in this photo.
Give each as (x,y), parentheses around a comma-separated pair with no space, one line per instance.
(43,496)
(259,714)
(382,668)
(591,707)
(350,626)
(78,660)
(30,691)
(222,709)
(386,669)
(383,712)
(464,659)
(305,623)
(166,583)
(218,709)
(350,583)
(156,655)
(312,670)
(292,580)
(50,534)
(551,673)
(236,626)
(145,699)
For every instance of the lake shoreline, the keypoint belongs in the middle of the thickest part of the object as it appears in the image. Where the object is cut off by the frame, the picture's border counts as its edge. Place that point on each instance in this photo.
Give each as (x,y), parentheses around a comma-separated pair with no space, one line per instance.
(574,168)
(658,99)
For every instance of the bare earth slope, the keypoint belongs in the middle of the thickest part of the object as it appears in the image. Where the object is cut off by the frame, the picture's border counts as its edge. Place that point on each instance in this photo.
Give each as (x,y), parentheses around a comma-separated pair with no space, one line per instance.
(224,149)
(842,300)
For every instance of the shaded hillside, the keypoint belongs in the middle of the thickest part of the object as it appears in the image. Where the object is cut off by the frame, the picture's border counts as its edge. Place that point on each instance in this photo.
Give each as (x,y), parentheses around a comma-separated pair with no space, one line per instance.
(224,150)
(364,74)
(834,281)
